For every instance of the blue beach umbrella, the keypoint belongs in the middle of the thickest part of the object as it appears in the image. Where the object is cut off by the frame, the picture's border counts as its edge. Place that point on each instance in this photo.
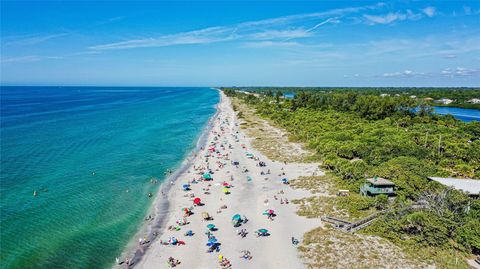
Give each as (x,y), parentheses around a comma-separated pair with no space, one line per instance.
(236,217)
(211,226)
(212,240)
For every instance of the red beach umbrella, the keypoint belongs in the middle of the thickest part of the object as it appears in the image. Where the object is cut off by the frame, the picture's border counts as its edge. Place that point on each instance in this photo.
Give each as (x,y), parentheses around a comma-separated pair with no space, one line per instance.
(196,201)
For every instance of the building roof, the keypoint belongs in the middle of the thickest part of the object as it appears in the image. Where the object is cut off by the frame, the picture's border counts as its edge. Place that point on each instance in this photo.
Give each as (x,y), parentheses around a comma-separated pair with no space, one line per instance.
(470,186)
(379,181)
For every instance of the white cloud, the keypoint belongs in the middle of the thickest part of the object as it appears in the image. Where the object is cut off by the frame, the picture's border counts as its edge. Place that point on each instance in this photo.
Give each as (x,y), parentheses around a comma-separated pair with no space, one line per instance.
(450,56)
(265,44)
(429,11)
(392,17)
(273,34)
(203,36)
(286,27)
(385,19)
(31,39)
(28,58)
(405,73)
(459,72)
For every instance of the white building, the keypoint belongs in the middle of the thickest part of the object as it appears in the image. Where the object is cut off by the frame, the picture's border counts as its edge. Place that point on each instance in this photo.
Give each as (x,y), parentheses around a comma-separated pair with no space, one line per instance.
(444,101)
(474,101)
(470,186)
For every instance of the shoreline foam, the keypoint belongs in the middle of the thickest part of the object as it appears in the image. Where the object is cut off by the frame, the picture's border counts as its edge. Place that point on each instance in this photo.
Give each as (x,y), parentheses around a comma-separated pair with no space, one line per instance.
(161,206)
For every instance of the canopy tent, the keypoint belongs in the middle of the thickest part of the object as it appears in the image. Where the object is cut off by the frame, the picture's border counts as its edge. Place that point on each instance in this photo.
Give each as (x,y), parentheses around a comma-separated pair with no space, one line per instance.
(262,232)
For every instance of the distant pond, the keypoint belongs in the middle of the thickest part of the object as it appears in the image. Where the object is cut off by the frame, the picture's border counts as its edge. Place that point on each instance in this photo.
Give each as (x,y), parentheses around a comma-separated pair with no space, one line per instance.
(463,114)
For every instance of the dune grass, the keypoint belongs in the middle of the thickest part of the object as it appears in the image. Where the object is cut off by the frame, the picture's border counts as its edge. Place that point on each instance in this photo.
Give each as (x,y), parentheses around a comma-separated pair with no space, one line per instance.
(270,141)
(330,248)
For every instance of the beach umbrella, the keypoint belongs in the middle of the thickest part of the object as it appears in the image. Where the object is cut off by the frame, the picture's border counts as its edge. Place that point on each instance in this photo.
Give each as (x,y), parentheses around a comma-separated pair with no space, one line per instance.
(249,178)
(186,186)
(197,201)
(212,240)
(211,226)
(263,231)
(207,176)
(226,191)
(209,244)
(236,217)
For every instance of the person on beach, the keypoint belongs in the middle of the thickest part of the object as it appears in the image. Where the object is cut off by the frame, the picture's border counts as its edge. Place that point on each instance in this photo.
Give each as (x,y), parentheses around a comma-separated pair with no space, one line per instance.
(246,254)
(294,241)
(173,262)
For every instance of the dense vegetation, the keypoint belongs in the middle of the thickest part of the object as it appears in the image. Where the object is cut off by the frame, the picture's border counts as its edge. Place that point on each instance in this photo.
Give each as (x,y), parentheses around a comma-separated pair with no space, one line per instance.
(460,96)
(358,135)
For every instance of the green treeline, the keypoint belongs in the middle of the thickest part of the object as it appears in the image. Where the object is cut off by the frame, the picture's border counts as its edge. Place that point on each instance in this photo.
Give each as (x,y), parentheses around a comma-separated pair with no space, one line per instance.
(357,135)
(460,96)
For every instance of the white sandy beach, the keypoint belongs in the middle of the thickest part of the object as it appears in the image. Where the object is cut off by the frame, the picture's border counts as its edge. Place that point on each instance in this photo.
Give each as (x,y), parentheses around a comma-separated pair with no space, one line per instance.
(247,198)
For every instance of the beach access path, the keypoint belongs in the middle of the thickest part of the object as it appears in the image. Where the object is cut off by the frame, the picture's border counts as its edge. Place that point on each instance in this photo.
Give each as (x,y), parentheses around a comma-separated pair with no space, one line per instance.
(248,198)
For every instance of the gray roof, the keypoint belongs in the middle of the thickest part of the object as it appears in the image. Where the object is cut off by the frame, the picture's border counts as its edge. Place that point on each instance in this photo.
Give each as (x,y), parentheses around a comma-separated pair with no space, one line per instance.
(471,186)
(379,181)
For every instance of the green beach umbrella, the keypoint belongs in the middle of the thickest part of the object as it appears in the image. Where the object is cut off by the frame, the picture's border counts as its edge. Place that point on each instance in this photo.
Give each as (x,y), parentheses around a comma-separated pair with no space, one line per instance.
(263,231)
(207,176)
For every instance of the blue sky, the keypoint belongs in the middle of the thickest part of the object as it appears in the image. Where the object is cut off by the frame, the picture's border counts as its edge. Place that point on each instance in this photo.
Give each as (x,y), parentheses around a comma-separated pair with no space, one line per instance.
(264,43)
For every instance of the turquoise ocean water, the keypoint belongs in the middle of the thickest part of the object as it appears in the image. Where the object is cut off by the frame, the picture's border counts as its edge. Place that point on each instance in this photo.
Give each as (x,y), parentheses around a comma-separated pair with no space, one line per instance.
(81,149)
